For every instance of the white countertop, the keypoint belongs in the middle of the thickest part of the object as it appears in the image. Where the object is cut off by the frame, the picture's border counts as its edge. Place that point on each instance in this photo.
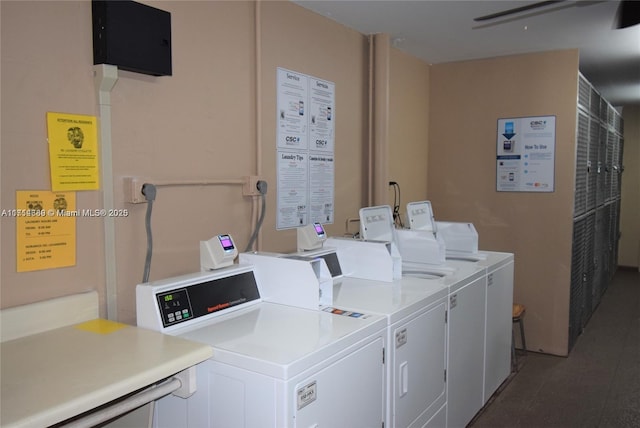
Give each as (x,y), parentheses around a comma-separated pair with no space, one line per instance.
(49,377)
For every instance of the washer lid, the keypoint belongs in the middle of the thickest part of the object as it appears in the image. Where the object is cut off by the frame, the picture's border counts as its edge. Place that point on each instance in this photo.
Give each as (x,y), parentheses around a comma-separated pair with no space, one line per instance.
(490,260)
(396,301)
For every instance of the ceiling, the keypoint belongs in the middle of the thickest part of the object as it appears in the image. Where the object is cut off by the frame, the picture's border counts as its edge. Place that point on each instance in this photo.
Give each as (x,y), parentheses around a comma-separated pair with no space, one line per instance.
(445,31)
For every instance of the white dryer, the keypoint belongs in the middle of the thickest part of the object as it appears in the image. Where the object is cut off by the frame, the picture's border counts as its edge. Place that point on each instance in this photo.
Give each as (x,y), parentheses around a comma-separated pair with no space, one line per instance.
(416,312)
(273,365)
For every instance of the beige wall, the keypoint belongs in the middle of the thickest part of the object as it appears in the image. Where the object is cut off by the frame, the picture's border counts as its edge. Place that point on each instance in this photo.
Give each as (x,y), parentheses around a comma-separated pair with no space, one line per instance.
(199,124)
(408,128)
(296,39)
(46,66)
(629,246)
(466,101)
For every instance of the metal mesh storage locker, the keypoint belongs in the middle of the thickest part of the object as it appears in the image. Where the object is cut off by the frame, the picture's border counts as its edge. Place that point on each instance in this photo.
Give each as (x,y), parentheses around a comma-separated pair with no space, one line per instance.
(595,104)
(584,93)
(589,264)
(602,156)
(608,177)
(608,246)
(576,296)
(582,167)
(615,153)
(615,231)
(592,176)
(599,147)
(598,257)
(620,168)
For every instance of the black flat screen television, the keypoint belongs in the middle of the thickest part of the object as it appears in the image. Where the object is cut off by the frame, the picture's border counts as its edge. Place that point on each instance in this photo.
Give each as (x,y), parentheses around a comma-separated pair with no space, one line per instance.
(133,36)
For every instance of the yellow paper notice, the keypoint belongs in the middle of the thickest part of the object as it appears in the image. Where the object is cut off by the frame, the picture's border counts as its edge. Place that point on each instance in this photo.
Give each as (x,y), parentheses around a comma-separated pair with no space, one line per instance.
(73,151)
(44,239)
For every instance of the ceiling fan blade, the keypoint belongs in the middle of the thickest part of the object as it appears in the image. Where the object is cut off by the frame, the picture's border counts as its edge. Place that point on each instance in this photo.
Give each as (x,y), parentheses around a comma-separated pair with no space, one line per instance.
(518,10)
(628,14)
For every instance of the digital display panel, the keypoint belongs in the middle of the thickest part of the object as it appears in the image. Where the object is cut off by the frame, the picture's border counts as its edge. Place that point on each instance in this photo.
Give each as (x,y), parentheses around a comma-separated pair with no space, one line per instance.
(226,242)
(206,297)
(319,229)
(174,307)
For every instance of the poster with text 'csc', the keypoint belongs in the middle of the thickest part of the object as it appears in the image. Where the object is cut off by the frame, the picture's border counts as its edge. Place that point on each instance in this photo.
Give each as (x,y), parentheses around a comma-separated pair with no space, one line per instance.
(525,154)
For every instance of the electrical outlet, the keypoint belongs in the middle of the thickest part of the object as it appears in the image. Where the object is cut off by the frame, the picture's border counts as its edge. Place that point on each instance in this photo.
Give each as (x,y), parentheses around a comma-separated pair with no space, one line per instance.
(250,187)
(133,190)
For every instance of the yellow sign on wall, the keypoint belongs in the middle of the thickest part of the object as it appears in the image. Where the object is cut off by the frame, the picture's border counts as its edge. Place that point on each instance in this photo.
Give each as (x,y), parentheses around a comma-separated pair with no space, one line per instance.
(45,229)
(73,151)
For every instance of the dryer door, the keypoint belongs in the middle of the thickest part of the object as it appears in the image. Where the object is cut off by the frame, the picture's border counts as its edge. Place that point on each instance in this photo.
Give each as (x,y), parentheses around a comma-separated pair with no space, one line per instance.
(419,365)
(347,393)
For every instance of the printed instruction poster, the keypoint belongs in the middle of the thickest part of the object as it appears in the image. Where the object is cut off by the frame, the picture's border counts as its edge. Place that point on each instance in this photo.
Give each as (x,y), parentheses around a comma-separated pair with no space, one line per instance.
(73,151)
(321,115)
(293,184)
(45,233)
(305,149)
(292,117)
(321,174)
(525,154)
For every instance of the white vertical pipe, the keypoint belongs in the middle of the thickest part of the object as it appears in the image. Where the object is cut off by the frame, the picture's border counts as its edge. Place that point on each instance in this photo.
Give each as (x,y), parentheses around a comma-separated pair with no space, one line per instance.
(258,77)
(105,77)
(370,156)
(382,53)
(258,102)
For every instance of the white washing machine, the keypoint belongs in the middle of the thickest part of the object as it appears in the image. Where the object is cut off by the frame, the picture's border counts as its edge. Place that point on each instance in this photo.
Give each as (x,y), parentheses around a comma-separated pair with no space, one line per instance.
(425,252)
(465,363)
(460,296)
(415,309)
(495,291)
(499,271)
(273,365)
